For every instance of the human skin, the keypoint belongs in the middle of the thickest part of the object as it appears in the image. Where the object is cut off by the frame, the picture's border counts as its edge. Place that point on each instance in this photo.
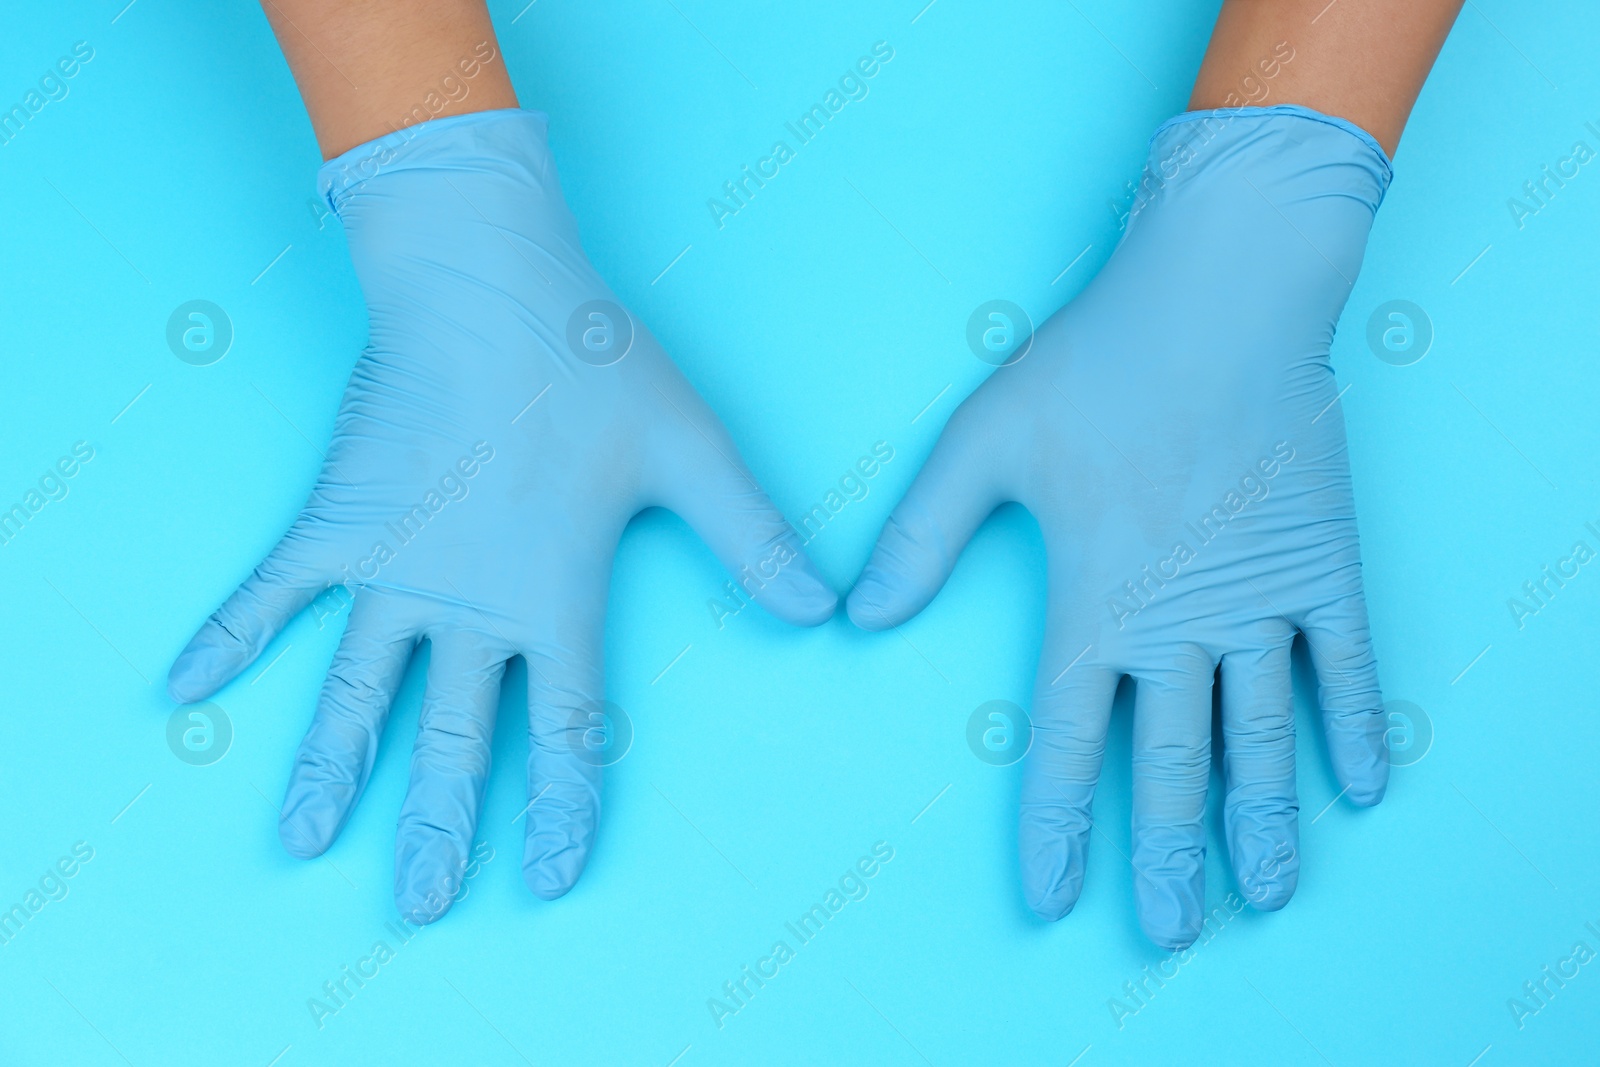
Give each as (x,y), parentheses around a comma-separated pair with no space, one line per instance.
(362,70)
(363,73)
(1359,60)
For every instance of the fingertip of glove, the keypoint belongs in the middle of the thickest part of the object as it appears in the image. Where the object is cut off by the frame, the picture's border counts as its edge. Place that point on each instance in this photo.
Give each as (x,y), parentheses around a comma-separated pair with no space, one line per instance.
(1052,910)
(419,914)
(181,690)
(868,605)
(798,595)
(1272,898)
(1173,933)
(545,881)
(1368,794)
(202,668)
(552,862)
(1266,892)
(1172,907)
(1052,863)
(190,678)
(543,886)
(306,828)
(297,842)
(423,896)
(817,614)
(1366,775)
(812,609)
(1172,942)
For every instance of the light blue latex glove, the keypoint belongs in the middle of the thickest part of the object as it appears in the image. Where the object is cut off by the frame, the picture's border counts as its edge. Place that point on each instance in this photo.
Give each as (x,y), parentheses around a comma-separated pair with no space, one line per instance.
(1175,432)
(468,517)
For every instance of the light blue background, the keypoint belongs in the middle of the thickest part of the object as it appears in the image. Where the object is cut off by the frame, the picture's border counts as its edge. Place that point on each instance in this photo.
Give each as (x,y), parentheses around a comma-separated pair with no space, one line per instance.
(821,319)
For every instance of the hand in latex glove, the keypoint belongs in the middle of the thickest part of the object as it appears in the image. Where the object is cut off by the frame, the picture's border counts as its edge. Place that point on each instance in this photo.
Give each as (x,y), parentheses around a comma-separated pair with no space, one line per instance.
(470,518)
(1175,432)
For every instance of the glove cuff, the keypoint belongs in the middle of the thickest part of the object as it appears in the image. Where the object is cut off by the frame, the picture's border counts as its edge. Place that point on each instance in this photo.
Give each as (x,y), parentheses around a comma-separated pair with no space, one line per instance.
(1215,119)
(1286,145)
(1291,156)
(453,138)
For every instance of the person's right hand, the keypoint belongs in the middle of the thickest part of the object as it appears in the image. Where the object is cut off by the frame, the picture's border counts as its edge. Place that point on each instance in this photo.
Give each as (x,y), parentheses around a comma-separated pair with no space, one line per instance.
(1176,432)
(505,422)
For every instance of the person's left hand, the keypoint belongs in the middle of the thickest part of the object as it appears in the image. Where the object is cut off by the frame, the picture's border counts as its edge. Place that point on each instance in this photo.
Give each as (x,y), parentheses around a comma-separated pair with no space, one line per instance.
(1175,430)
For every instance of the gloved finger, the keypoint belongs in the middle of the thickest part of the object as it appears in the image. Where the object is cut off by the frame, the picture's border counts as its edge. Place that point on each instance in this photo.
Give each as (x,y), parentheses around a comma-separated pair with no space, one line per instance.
(952,495)
(1347,690)
(230,639)
(1171,764)
(716,494)
(1261,813)
(1070,717)
(572,734)
(335,758)
(449,768)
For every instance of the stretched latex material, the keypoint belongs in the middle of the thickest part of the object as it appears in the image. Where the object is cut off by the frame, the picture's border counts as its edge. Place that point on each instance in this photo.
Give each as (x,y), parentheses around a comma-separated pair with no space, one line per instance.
(1177,434)
(504,423)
